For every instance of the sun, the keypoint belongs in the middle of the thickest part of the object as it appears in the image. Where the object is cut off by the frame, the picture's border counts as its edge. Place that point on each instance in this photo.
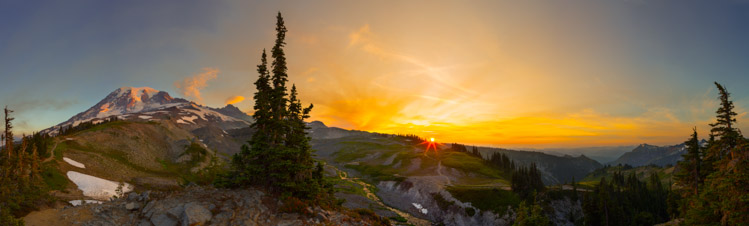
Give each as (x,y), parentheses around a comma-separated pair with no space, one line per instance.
(432,139)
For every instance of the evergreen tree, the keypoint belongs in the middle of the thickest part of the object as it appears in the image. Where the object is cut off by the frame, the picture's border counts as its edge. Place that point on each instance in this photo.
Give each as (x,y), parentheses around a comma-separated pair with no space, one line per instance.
(22,187)
(723,127)
(724,196)
(8,135)
(278,99)
(279,156)
(689,175)
(251,161)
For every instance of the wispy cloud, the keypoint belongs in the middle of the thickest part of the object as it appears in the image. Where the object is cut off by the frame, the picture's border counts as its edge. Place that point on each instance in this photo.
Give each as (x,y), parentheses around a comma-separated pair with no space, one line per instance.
(190,87)
(234,99)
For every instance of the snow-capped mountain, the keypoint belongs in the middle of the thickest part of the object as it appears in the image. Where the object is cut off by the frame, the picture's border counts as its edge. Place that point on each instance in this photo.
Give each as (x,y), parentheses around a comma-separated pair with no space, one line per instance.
(129,100)
(144,103)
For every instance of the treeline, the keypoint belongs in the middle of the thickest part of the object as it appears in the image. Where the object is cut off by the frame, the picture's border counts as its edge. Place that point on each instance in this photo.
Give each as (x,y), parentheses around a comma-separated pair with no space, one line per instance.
(626,201)
(713,181)
(411,137)
(22,187)
(70,129)
(525,180)
(462,148)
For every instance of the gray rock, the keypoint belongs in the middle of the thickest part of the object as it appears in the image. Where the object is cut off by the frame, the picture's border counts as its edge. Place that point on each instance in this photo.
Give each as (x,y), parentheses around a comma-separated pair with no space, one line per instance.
(194,213)
(132,206)
(132,196)
(176,212)
(144,222)
(145,196)
(289,222)
(147,210)
(163,220)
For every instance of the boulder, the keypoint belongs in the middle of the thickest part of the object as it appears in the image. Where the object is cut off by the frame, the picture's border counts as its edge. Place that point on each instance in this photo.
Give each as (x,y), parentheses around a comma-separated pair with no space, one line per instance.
(163,220)
(194,214)
(132,206)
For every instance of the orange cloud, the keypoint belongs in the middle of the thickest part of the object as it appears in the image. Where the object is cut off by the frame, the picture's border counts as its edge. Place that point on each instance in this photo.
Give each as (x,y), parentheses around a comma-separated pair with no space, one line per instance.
(234,99)
(190,87)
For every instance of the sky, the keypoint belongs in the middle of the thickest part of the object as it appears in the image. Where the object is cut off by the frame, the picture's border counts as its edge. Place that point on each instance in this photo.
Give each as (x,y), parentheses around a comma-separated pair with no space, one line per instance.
(498,73)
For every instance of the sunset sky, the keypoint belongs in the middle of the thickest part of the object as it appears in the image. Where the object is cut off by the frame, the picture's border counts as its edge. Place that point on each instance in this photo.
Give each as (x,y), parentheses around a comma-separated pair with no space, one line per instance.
(499,73)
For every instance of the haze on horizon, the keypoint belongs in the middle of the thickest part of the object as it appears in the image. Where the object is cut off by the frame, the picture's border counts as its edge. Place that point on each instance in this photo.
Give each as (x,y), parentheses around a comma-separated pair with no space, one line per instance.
(498,73)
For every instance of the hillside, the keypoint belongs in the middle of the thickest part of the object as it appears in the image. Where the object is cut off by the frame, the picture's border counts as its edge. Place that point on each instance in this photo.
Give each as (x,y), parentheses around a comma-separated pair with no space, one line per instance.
(642,172)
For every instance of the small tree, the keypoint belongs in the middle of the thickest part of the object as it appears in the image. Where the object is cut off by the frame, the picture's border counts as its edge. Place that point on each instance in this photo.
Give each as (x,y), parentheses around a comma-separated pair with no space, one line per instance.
(531,215)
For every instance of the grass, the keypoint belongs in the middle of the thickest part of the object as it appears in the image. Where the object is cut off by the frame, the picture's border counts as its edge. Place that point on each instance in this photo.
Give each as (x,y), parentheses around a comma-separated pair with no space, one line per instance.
(642,173)
(354,150)
(491,199)
(377,172)
(52,176)
(347,186)
(467,163)
(103,126)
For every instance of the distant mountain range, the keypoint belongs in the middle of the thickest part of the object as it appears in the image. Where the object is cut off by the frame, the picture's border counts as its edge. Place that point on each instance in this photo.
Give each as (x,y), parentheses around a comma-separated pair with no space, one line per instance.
(601,154)
(646,154)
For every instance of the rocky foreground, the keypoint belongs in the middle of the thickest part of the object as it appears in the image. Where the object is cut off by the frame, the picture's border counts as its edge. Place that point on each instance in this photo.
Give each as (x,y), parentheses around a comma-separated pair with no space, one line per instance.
(195,206)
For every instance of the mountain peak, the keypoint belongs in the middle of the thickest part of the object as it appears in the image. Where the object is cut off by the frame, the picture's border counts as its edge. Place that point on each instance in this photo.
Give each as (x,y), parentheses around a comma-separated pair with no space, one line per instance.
(126,100)
(233,111)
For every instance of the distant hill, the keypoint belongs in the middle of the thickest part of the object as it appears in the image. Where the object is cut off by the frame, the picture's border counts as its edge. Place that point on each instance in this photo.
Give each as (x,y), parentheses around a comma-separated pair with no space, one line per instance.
(557,169)
(642,172)
(646,154)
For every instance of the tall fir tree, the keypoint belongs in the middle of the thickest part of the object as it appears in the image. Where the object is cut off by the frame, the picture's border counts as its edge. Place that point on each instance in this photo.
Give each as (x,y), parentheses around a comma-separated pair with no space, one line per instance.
(278,97)
(279,156)
(8,135)
(723,127)
(689,175)
(724,196)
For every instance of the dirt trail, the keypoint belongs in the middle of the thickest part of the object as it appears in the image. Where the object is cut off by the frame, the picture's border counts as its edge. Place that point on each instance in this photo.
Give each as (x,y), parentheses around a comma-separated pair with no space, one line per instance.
(51,153)
(439,169)
(439,172)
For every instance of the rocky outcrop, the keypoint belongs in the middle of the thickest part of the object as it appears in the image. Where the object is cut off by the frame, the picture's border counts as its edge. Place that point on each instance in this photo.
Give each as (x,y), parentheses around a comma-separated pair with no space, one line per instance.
(199,206)
(415,195)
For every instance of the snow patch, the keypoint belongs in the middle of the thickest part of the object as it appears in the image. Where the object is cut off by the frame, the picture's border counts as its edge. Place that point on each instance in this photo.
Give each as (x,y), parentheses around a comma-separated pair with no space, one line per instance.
(422,209)
(182,122)
(74,163)
(145,116)
(78,202)
(95,187)
(190,119)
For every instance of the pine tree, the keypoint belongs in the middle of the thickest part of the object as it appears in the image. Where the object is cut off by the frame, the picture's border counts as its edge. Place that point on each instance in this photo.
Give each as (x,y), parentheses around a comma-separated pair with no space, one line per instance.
(278,99)
(689,174)
(250,163)
(723,127)
(279,156)
(8,132)
(724,196)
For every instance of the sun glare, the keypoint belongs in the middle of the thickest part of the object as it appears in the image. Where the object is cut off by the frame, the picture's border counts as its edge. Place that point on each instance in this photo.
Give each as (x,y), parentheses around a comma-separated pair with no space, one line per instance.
(432,139)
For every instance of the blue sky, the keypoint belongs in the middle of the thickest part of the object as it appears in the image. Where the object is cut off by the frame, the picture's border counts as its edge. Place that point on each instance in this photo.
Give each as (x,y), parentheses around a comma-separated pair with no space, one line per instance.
(506,73)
